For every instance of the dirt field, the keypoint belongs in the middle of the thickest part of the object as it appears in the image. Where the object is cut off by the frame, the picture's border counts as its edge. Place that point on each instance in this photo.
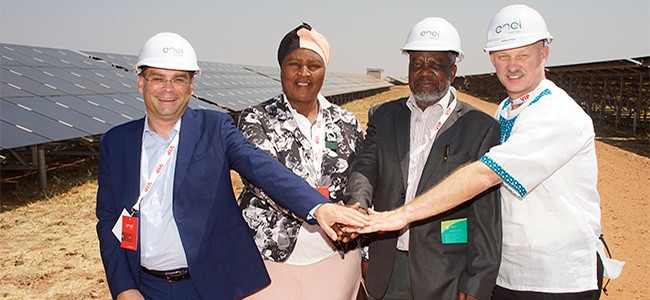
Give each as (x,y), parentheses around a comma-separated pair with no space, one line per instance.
(49,248)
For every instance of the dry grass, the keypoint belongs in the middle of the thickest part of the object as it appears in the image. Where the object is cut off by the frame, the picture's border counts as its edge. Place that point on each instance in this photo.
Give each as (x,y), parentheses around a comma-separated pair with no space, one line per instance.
(50,250)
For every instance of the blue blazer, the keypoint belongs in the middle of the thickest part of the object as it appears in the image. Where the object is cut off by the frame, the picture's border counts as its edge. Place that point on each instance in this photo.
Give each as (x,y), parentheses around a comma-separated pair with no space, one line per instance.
(224,262)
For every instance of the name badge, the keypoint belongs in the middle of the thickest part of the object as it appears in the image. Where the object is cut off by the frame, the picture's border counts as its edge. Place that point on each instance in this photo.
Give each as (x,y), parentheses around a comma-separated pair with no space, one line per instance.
(454,231)
(129,233)
(126,231)
(331,141)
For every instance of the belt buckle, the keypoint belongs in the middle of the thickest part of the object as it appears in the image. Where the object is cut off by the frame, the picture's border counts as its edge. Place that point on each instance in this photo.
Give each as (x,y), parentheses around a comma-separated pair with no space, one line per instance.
(176,275)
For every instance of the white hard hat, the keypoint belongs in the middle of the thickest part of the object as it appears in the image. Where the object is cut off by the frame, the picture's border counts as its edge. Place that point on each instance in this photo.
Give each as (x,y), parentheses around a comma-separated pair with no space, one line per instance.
(167,50)
(516,26)
(434,34)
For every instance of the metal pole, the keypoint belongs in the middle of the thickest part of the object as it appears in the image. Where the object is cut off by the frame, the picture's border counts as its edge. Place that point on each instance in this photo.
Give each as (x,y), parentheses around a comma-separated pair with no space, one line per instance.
(619,101)
(42,167)
(639,99)
(602,99)
(34,155)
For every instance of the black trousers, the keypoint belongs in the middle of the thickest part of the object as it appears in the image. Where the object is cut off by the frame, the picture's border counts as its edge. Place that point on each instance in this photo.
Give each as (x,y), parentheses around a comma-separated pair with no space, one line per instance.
(399,286)
(501,293)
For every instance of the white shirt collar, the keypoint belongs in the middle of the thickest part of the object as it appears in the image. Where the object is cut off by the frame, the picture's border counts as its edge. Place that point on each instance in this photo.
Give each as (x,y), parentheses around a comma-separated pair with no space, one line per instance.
(322,101)
(147,129)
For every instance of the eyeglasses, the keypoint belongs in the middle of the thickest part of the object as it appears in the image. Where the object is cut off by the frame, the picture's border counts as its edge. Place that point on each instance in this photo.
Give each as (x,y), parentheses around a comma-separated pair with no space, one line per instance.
(177,82)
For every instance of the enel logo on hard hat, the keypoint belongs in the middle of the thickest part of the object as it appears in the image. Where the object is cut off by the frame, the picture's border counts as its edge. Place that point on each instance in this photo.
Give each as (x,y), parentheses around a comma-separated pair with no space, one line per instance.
(173,51)
(511,26)
(429,33)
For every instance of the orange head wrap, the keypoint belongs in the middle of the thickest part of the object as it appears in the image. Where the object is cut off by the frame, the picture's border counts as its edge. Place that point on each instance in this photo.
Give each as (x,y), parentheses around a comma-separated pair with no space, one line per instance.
(304,36)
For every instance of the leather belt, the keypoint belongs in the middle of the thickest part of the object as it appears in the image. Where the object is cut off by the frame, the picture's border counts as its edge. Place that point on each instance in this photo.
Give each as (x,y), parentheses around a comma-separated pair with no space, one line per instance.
(170,276)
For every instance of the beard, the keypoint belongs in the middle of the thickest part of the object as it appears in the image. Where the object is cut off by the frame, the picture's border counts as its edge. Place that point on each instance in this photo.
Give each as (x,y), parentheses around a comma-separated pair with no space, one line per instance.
(428,99)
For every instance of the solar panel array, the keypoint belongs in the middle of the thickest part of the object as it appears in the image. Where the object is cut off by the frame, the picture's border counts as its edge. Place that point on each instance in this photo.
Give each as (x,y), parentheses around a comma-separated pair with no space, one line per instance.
(46,95)
(49,94)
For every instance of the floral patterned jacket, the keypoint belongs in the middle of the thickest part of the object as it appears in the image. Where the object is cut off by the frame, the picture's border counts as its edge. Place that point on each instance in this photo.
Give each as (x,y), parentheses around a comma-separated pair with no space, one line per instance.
(271,127)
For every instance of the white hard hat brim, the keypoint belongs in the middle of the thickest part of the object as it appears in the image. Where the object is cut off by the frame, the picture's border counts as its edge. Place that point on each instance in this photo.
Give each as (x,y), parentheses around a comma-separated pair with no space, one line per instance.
(438,46)
(517,42)
(167,64)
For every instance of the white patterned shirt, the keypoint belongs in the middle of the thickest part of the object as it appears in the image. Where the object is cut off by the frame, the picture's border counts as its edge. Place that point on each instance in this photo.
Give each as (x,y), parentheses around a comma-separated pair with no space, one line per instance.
(312,244)
(550,205)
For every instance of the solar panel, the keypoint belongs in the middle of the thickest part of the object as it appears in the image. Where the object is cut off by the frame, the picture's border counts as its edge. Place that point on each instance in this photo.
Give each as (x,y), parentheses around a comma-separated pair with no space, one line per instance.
(71,58)
(50,80)
(198,104)
(118,107)
(75,77)
(12,90)
(91,109)
(19,81)
(126,79)
(133,100)
(36,54)
(26,117)
(125,61)
(109,81)
(13,136)
(62,114)
(55,94)
(272,72)
(11,53)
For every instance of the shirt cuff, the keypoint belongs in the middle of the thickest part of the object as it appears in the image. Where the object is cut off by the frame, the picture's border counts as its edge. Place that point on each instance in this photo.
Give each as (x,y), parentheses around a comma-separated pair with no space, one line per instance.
(312,212)
(511,183)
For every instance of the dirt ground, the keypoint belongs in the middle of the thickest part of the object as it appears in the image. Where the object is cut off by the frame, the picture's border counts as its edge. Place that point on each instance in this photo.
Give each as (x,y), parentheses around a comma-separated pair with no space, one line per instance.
(49,248)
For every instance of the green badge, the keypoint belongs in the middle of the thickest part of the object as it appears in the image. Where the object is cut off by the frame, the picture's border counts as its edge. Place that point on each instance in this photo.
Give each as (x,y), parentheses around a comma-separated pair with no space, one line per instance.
(331,142)
(454,231)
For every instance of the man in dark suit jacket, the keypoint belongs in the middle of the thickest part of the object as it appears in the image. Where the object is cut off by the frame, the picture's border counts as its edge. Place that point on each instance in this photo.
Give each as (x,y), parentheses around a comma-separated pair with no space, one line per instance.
(408,149)
(191,241)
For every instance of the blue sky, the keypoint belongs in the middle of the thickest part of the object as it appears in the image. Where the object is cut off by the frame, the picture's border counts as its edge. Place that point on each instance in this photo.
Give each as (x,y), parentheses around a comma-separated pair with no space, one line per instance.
(363,34)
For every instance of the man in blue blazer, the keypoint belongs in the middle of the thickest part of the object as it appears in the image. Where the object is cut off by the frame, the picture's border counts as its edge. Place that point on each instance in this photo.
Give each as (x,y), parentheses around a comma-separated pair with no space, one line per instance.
(169,226)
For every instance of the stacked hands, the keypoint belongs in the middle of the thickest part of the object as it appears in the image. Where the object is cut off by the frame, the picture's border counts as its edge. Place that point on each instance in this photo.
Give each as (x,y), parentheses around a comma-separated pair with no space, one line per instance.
(345,223)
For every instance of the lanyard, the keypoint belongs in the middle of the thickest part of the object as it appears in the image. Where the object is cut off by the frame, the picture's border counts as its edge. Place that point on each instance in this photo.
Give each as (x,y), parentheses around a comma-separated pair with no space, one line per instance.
(318,141)
(506,125)
(162,161)
(435,130)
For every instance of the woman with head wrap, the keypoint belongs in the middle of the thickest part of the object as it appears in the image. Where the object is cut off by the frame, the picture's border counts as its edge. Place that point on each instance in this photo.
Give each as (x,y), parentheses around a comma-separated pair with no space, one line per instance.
(314,138)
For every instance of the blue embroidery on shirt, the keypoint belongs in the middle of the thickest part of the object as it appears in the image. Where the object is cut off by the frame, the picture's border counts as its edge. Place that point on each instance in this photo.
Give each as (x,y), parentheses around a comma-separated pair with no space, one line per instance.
(507,178)
(506,125)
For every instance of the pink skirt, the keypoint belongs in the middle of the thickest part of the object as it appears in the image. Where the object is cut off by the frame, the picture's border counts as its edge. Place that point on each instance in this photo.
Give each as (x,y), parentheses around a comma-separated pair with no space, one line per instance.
(331,278)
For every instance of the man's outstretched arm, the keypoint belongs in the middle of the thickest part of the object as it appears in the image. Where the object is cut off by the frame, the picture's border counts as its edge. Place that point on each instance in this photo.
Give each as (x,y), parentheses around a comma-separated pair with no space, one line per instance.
(460,186)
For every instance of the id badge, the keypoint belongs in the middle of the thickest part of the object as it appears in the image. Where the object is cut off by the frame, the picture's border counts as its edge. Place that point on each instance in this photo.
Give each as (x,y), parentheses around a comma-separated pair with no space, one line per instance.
(454,231)
(129,233)
(126,231)
(331,141)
